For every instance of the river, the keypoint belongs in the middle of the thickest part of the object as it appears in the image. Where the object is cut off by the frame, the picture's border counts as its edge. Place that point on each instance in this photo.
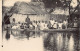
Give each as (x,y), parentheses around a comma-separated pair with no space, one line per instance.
(41,41)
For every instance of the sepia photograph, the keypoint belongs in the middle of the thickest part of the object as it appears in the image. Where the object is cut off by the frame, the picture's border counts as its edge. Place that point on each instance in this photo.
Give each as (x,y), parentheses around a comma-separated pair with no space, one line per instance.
(40,25)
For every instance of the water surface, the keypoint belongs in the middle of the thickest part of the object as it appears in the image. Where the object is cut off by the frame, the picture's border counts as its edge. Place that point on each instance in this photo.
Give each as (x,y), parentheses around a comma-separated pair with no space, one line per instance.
(40,41)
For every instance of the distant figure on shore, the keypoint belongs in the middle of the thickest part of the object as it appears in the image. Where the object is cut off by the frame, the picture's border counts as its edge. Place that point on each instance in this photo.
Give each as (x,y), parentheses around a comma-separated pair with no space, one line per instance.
(19,24)
(30,26)
(42,25)
(38,25)
(13,23)
(22,26)
(52,22)
(75,22)
(45,25)
(55,26)
(33,23)
(60,25)
(6,20)
(65,23)
(28,20)
(49,25)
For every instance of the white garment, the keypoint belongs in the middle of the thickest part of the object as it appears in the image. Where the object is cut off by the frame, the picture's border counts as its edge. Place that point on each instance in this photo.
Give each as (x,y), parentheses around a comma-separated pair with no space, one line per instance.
(52,22)
(55,25)
(56,22)
(45,26)
(65,22)
(42,26)
(31,26)
(34,24)
(60,25)
(75,24)
(14,27)
(38,24)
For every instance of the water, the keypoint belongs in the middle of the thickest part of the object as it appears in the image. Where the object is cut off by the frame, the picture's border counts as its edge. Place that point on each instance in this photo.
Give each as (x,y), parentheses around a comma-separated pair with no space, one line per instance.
(41,41)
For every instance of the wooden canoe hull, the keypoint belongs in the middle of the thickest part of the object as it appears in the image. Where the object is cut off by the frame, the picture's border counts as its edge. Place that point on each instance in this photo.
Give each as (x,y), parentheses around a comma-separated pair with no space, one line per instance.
(46,30)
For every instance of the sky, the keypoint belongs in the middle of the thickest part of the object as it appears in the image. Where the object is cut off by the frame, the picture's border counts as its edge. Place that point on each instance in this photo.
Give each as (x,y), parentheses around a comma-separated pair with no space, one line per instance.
(11,2)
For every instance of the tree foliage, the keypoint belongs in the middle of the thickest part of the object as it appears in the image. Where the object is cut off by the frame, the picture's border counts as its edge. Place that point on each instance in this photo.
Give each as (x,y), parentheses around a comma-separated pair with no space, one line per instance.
(52,3)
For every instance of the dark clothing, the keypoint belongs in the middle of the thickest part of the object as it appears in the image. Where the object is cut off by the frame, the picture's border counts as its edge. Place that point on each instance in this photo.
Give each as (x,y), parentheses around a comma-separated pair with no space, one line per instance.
(63,26)
(28,20)
(22,26)
(6,19)
(27,25)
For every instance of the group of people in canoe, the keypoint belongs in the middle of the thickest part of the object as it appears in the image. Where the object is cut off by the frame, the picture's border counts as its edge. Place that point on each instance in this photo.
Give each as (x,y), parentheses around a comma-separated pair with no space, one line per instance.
(41,25)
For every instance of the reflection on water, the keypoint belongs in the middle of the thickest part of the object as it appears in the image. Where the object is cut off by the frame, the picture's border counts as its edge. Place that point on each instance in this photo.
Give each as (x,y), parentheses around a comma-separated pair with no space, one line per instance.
(50,41)
(71,44)
(7,35)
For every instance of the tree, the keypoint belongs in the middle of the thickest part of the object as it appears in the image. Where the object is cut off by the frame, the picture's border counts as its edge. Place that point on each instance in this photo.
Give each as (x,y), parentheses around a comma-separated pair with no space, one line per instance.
(52,3)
